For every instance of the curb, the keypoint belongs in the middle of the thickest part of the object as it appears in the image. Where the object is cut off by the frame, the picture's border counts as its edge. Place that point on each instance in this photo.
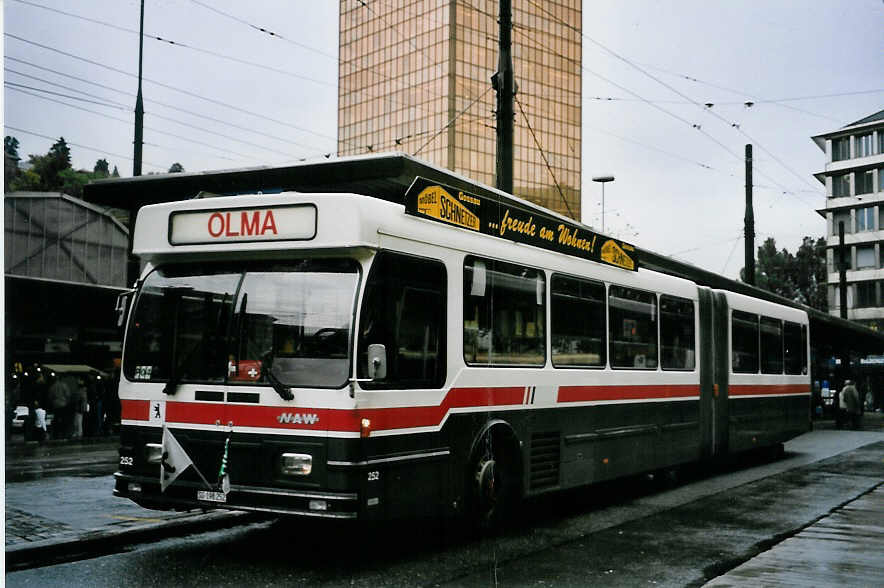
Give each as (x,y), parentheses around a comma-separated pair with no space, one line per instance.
(98,542)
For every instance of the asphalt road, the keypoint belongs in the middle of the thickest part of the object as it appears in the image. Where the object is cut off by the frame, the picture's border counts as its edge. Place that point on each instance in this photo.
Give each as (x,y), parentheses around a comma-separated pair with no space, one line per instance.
(633,533)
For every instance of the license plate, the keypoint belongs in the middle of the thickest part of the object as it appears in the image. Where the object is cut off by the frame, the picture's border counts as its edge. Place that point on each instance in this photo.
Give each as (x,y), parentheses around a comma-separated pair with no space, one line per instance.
(209,496)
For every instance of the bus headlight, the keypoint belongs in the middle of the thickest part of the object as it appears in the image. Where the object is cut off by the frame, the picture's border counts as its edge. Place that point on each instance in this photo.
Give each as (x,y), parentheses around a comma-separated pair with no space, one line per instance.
(295,464)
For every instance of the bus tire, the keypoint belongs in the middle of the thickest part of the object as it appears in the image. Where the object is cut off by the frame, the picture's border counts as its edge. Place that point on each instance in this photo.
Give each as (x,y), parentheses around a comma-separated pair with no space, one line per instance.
(494,478)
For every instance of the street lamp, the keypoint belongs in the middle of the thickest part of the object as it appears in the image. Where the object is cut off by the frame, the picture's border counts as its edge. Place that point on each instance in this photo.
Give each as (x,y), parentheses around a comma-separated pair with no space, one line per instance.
(603,180)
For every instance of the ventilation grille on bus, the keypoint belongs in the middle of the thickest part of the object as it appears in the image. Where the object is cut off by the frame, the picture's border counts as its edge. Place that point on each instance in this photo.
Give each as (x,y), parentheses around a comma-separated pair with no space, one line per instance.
(545,459)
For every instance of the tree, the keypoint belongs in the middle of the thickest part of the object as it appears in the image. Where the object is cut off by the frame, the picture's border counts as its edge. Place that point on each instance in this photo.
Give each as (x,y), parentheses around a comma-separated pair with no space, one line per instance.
(101,169)
(52,172)
(116,173)
(10,161)
(10,147)
(176,168)
(800,278)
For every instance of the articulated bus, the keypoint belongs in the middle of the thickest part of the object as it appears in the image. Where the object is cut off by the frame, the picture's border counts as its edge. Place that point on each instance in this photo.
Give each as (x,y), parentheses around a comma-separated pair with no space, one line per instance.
(342,356)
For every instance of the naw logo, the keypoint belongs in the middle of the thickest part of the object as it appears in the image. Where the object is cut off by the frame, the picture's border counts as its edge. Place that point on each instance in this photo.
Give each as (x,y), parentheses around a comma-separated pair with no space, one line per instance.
(297,418)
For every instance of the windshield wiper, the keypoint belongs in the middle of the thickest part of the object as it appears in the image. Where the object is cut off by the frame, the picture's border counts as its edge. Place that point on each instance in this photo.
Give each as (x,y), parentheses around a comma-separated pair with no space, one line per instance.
(266,370)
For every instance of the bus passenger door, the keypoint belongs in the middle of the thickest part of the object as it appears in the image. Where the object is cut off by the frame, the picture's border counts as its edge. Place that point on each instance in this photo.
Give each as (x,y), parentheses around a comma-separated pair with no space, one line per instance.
(714,363)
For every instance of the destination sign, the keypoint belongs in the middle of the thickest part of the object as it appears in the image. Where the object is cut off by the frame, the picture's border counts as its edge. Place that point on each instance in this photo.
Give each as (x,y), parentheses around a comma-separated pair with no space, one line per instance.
(505,218)
(269,223)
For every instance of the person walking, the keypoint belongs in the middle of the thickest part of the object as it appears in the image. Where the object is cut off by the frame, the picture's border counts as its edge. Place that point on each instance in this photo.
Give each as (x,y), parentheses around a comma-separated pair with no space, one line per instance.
(79,403)
(60,401)
(39,422)
(852,405)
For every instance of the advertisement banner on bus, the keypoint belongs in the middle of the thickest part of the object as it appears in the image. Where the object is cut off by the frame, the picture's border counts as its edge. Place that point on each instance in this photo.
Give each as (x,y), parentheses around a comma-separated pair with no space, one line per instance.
(505,218)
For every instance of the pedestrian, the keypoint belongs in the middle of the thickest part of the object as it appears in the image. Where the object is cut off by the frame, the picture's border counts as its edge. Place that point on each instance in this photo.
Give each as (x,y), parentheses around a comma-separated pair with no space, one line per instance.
(60,401)
(79,403)
(39,422)
(852,405)
(839,407)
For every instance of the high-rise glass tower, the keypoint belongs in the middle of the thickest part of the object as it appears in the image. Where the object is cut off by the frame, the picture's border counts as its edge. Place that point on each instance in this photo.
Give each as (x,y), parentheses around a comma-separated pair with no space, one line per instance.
(415,76)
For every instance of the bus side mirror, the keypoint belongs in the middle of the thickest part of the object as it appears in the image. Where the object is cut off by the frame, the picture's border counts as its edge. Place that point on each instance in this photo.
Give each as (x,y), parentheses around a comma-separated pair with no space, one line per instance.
(377,361)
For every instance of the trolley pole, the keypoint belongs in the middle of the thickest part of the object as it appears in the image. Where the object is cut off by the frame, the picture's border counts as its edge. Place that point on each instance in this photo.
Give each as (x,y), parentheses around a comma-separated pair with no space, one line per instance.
(749,222)
(504,84)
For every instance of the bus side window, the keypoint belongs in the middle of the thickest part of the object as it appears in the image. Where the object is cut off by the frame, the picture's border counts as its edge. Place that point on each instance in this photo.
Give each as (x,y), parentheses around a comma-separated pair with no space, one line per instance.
(633,328)
(793,348)
(404,310)
(504,312)
(677,333)
(771,346)
(577,308)
(744,342)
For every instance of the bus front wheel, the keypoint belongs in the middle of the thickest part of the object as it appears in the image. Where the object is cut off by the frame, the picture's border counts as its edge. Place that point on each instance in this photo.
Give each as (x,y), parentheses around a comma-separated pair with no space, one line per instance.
(495,484)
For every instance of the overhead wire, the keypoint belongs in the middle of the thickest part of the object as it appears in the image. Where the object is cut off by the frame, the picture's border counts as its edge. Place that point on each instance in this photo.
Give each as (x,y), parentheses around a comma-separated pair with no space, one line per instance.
(149,101)
(181,44)
(169,87)
(391,99)
(81,146)
(155,115)
(453,119)
(677,92)
(695,126)
(129,122)
(545,159)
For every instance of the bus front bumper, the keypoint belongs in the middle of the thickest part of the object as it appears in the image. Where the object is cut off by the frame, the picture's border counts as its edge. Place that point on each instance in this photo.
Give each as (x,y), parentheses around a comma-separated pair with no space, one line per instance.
(182,495)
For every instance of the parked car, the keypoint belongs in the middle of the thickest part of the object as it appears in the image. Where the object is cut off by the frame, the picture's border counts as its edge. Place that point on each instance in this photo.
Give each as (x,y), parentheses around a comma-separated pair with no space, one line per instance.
(21,413)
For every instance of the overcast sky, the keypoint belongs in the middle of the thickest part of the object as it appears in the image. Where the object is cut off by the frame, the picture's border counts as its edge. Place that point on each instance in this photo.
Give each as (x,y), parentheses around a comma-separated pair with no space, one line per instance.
(226,95)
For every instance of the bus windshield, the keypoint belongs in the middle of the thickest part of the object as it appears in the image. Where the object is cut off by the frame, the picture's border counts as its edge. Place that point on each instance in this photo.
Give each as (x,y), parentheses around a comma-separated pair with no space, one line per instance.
(285,324)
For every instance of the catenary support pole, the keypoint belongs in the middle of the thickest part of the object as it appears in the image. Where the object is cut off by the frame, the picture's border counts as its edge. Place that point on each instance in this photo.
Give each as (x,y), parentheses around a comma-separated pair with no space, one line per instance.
(749,223)
(504,84)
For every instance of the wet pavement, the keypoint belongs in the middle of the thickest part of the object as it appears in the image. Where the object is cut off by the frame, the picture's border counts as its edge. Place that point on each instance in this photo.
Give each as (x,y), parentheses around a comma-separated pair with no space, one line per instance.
(60,505)
(845,548)
(53,515)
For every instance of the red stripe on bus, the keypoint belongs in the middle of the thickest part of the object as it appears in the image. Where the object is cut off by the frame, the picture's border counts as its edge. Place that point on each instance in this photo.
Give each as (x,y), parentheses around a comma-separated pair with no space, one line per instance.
(135,410)
(765,389)
(346,420)
(645,392)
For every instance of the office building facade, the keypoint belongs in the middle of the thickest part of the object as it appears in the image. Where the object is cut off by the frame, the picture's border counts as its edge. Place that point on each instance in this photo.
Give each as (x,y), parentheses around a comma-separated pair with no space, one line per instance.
(415,76)
(854,180)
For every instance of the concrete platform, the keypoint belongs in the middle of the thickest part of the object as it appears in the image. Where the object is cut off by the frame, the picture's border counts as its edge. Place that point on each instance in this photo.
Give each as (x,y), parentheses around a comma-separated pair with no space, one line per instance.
(845,548)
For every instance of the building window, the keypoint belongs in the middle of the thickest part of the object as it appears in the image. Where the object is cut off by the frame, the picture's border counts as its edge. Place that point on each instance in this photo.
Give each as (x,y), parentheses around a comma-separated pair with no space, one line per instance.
(865,219)
(504,314)
(847,263)
(865,257)
(677,333)
(881,175)
(864,145)
(841,149)
(578,322)
(633,316)
(840,185)
(864,181)
(841,217)
(866,296)
(744,342)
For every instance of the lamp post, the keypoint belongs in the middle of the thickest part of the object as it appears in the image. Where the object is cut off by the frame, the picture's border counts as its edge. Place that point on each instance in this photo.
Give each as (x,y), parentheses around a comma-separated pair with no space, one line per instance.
(603,180)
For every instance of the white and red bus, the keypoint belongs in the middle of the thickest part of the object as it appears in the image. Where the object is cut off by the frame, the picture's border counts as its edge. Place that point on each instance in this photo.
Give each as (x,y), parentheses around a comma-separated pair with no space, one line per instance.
(338,355)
